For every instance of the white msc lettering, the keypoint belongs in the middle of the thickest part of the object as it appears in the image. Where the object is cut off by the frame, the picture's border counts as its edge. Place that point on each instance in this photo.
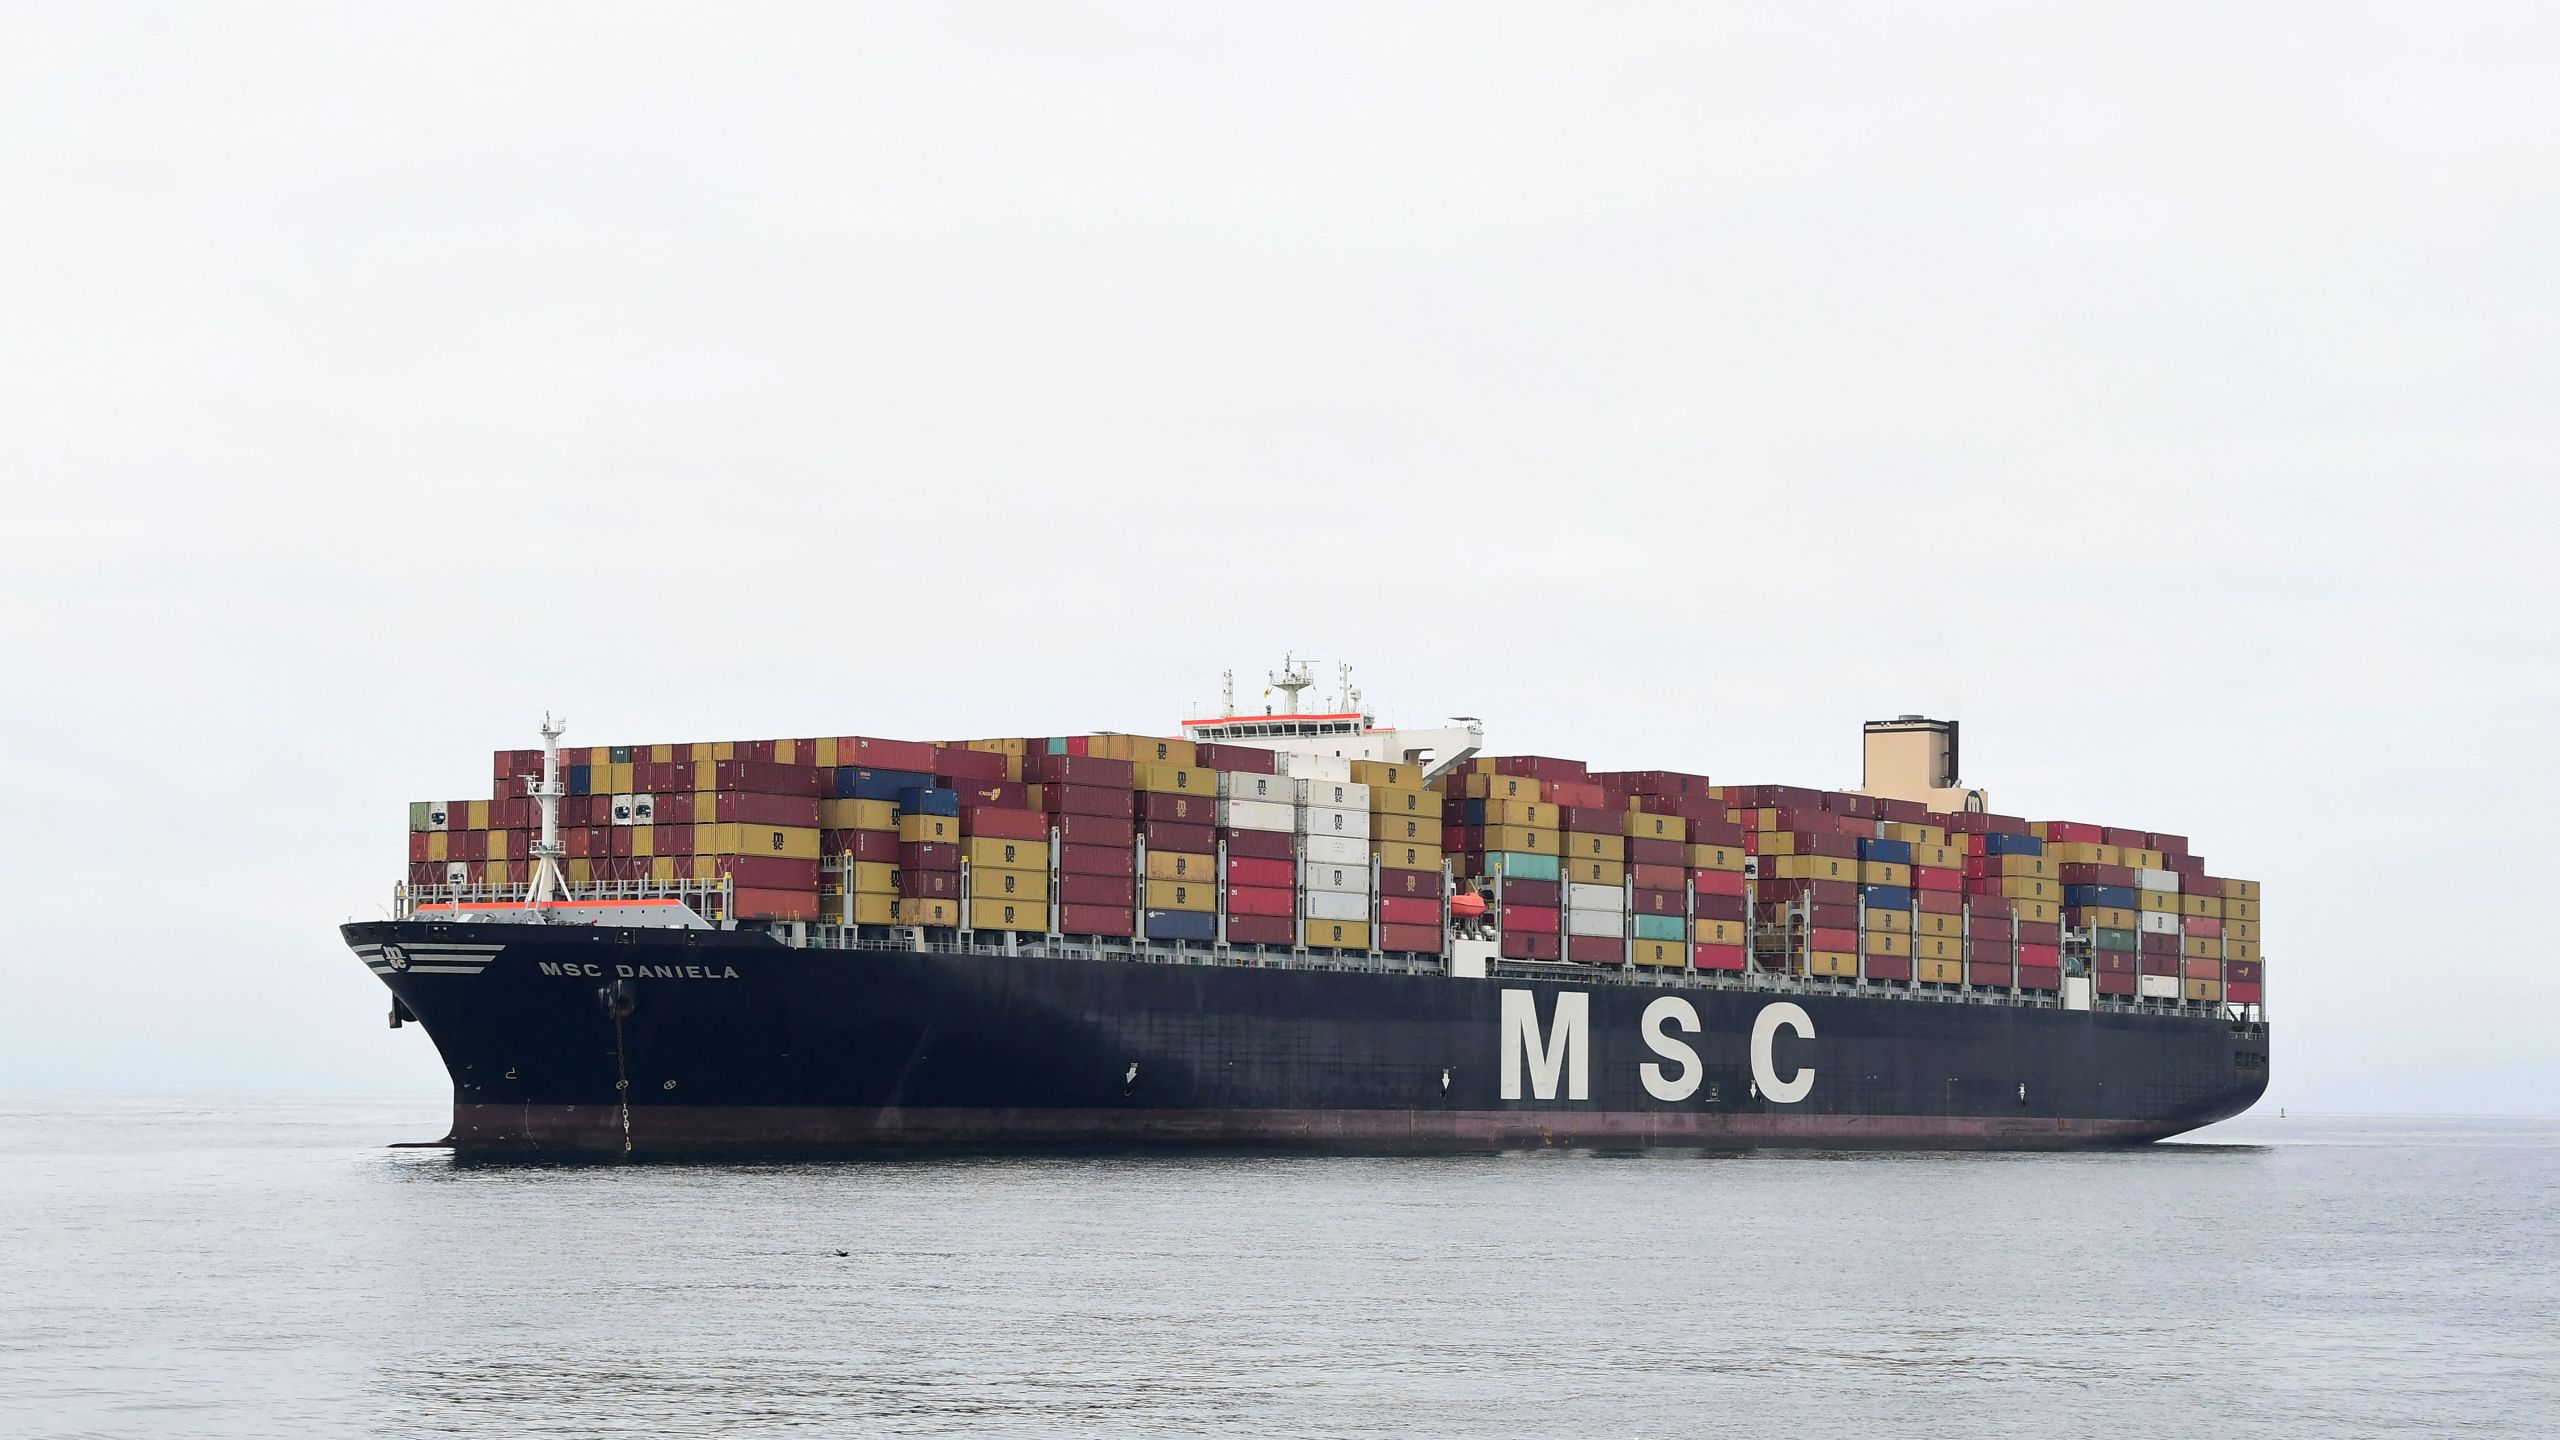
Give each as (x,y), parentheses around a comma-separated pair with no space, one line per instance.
(1671,1010)
(1788,1015)
(1548,1054)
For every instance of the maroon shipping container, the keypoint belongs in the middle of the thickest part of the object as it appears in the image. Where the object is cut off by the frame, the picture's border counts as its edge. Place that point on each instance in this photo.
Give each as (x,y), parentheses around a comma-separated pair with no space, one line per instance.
(1532,945)
(2070,832)
(1534,919)
(1769,797)
(2047,977)
(1262,930)
(876,754)
(1097,890)
(1994,973)
(1904,812)
(2111,982)
(996,822)
(1983,924)
(1259,900)
(1541,767)
(1095,920)
(929,884)
(1820,892)
(1115,860)
(1830,847)
(676,809)
(2112,962)
(2165,844)
(1191,839)
(2077,873)
(1002,794)
(879,846)
(1403,910)
(1543,894)
(1661,902)
(1591,820)
(2044,933)
(1185,809)
(754,808)
(2159,944)
(1239,759)
(1856,807)
(1274,874)
(1733,882)
(1937,902)
(1412,939)
(2201,968)
(2241,972)
(928,856)
(954,764)
(1717,833)
(2161,964)
(767,872)
(1100,800)
(1664,783)
(1724,907)
(1837,942)
(1096,830)
(1979,823)
(1078,770)
(1595,949)
(762,778)
(427,872)
(1424,883)
(1671,854)
(1987,951)
(672,840)
(620,844)
(1260,844)
(1888,967)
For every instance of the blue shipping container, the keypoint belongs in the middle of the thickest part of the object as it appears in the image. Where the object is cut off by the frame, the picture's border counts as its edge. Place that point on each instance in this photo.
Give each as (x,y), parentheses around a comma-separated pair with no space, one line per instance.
(2119,896)
(1886,897)
(858,782)
(1181,925)
(2012,845)
(1891,852)
(580,778)
(927,800)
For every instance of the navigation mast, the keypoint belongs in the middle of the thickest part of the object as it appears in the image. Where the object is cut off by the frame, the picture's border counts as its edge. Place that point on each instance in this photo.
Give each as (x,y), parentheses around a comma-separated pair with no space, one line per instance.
(547,882)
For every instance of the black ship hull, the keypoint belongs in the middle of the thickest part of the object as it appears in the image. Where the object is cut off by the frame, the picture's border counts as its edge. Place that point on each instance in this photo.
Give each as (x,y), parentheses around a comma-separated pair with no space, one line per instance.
(602,1041)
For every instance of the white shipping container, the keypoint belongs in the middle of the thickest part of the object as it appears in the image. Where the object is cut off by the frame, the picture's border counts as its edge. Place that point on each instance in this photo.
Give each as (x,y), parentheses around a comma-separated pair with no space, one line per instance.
(457,872)
(1347,878)
(2165,880)
(644,809)
(1326,820)
(1258,814)
(1245,785)
(437,817)
(2157,922)
(1341,793)
(1336,850)
(1335,905)
(621,809)
(2159,987)
(1299,765)
(1595,897)
(1589,922)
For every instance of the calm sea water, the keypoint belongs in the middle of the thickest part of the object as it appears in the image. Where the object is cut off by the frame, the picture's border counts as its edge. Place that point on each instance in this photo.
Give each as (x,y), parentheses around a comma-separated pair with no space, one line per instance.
(268,1267)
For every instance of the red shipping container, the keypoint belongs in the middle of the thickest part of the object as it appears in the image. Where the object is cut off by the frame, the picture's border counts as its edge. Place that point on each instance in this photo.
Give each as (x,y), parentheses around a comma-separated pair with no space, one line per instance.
(1262,930)
(1095,920)
(1595,949)
(1543,767)
(1259,900)
(876,754)
(1984,924)
(998,823)
(1937,877)
(2040,933)
(2245,992)
(1731,882)
(1425,883)
(676,809)
(1190,839)
(2112,962)
(1096,830)
(1115,860)
(953,764)
(1531,945)
(2047,978)
(1716,957)
(1532,919)
(1097,890)
(1733,907)
(1578,795)
(2204,928)
(2039,957)
(1994,974)
(1671,853)
(1002,794)
(1187,809)
(763,778)
(1455,838)
(1781,797)
(674,840)
(621,844)
(1982,950)
(1661,902)
(767,872)
(2072,832)
(1405,910)
(927,856)
(746,808)
(1099,800)
(1937,902)
(929,884)
(1237,759)
(586,842)
(873,845)
(2200,968)
(1273,874)
(1078,770)
(1838,942)
(1544,894)
(426,872)
(1416,939)
(2113,982)
(1260,844)
(1888,967)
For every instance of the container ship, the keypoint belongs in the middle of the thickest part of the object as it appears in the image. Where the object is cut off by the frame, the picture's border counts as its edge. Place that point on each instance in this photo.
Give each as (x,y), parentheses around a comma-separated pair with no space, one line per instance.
(1299,929)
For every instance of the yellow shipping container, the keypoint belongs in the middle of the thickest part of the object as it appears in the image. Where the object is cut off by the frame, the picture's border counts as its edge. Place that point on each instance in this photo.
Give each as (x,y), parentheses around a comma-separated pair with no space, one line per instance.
(2083,852)
(1942,948)
(1808,867)
(475,814)
(1940,857)
(2107,917)
(1938,972)
(2241,930)
(1889,920)
(1000,745)
(996,852)
(1916,834)
(1584,845)
(1181,894)
(1397,855)
(1777,842)
(872,877)
(870,908)
(929,829)
(662,754)
(791,842)
(580,871)
(2143,859)
(1144,750)
(858,814)
(825,748)
(1830,962)
(1338,934)
(1181,865)
(1716,857)
(1885,942)
(621,783)
(998,883)
(2203,907)
(2204,990)
(2241,890)
(1520,838)
(2156,902)
(663,868)
(1665,954)
(2240,950)
(644,840)
(1883,872)
(1176,779)
(2203,947)
(922,910)
(2240,910)
(438,846)
(1535,813)
(1716,932)
(1594,872)
(2031,887)
(2037,912)
(1009,914)
(1476,785)
(1642,825)
(1414,829)
(1386,774)
(1402,800)
(2037,866)
(498,842)
(1933,923)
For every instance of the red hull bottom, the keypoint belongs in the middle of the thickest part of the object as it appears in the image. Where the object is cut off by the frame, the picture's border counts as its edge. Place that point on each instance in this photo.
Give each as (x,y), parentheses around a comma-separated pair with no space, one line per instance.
(751,1130)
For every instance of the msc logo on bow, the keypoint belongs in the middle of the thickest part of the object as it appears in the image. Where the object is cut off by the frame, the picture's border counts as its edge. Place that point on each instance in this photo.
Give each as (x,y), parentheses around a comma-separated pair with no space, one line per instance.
(395,957)
(1558,1056)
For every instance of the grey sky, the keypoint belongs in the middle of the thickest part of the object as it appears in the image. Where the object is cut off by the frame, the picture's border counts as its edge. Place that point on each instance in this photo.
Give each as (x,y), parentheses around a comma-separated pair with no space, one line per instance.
(2165,391)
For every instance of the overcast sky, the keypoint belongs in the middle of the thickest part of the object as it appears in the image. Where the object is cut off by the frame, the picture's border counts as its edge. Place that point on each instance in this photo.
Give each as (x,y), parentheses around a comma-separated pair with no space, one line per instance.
(2167,392)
